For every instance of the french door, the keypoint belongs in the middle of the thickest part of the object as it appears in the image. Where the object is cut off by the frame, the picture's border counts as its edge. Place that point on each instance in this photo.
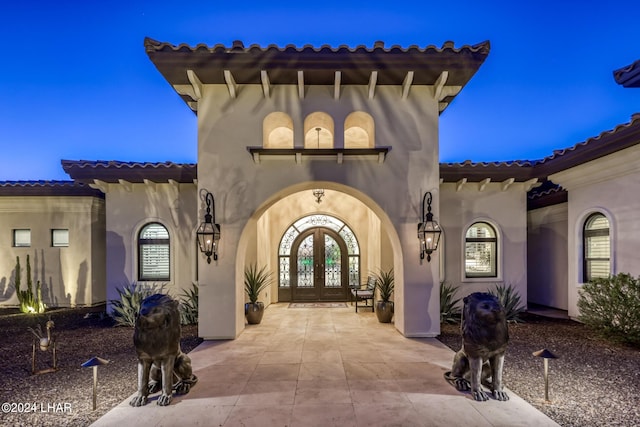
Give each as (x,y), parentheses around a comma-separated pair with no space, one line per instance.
(319,266)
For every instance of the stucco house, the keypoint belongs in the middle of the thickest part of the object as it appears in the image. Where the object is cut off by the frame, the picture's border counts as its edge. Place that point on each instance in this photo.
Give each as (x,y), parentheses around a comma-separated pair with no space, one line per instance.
(319,161)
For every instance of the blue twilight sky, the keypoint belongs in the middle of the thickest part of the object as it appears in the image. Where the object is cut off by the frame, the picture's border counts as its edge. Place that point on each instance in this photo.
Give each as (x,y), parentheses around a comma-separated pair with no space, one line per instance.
(76,83)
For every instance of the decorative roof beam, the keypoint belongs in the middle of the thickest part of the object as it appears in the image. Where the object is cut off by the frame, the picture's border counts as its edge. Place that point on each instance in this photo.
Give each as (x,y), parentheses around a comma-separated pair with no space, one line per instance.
(231,83)
(150,184)
(266,85)
(128,186)
(301,84)
(461,184)
(507,183)
(528,185)
(100,185)
(336,85)
(373,79)
(196,84)
(483,184)
(439,84)
(406,84)
(174,183)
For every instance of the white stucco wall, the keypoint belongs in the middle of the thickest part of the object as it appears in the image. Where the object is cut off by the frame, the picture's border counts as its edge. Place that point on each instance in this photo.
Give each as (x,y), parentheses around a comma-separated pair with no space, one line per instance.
(69,276)
(506,212)
(172,205)
(547,256)
(393,190)
(608,185)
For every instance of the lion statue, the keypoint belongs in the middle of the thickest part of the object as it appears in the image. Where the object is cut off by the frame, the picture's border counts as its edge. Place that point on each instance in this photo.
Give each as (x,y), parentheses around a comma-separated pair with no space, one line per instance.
(161,363)
(484,341)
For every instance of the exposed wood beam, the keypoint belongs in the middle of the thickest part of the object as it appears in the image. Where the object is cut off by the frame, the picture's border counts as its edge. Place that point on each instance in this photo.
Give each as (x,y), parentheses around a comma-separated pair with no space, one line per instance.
(339,158)
(373,79)
(406,84)
(185,90)
(150,184)
(266,85)
(439,84)
(301,84)
(528,185)
(298,158)
(174,183)
(441,181)
(449,91)
(196,83)
(461,184)
(336,85)
(231,83)
(128,186)
(483,184)
(442,106)
(507,183)
(100,185)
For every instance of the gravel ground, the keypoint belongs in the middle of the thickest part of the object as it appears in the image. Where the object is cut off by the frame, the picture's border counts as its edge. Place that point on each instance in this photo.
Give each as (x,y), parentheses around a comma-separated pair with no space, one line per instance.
(592,383)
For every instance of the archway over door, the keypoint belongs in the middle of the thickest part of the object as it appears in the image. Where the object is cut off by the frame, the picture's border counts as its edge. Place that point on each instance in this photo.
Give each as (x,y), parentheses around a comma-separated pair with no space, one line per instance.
(319,258)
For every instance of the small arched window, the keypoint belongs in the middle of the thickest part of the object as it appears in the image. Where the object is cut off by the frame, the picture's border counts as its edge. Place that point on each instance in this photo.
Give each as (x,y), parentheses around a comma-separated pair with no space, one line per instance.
(153,253)
(596,247)
(318,131)
(481,251)
(359,130)
(277,131)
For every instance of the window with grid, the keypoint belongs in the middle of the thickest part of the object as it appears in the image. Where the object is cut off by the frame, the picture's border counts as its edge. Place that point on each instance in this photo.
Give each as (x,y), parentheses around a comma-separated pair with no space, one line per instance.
(22,238)
(480,251)
(596,247)
(153,253)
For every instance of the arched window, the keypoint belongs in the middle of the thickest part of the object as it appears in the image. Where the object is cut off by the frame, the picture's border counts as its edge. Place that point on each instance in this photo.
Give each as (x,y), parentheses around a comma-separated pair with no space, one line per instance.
(153,253)
(277,131)
(596,247)
(359,130)
(481,251)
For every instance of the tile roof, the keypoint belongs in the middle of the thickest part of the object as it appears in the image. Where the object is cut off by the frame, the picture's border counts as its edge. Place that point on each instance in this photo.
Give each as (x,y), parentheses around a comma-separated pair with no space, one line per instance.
(47,188)
(628,76)
(318,64)
(136,172)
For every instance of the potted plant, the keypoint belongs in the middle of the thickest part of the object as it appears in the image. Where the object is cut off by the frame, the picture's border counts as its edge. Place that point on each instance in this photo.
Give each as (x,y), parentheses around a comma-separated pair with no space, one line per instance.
(384,285)
(255,281)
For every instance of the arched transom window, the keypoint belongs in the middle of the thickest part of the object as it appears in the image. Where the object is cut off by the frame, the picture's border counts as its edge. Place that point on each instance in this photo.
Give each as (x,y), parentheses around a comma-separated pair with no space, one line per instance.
(153,253)
(343,230)
(480,251)
(596,247)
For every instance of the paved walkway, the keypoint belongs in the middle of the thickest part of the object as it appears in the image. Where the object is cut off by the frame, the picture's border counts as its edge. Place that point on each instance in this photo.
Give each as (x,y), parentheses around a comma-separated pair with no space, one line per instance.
(324,367)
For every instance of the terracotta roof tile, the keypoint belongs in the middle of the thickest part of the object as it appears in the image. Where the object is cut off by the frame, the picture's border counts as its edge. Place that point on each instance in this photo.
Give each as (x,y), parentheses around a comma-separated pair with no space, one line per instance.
(47,188)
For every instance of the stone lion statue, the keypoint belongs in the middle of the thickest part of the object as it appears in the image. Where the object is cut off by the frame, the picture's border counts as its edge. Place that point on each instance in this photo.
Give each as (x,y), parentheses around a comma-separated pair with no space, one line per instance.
(161,363)
(484,341)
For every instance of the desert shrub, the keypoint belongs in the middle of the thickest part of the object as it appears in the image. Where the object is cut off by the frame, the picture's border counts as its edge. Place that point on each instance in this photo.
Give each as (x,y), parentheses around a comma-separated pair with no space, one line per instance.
(449,307)
(510,300)
(611,306)
(125,309)
(30,300)
(189,306)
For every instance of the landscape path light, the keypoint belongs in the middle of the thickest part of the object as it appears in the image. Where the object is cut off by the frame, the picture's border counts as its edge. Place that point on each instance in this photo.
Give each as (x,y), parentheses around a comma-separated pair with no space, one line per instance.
(95,362)
(546,355)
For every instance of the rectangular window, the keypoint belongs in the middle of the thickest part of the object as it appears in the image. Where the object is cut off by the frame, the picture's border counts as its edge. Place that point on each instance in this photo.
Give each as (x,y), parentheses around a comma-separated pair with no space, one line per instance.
(480,259)
(59,238)
(154,262)
(22,238)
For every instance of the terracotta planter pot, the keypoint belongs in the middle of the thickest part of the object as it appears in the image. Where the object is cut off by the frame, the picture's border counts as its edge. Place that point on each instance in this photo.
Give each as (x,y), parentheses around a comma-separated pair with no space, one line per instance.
(384,311)
(254,312)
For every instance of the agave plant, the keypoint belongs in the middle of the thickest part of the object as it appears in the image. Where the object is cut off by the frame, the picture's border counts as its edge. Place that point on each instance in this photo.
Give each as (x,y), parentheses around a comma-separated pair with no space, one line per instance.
(385,283)
(125,309)
(189,306)
(510,300)
(255,281)
(449,307)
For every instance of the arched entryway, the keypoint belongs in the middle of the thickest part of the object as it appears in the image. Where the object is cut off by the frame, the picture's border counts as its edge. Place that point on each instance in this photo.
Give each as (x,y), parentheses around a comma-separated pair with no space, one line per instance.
(319,258)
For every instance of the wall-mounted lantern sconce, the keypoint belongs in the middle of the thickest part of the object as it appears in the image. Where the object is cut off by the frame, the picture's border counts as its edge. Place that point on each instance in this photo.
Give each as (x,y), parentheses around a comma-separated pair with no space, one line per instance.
(209,232)
(428,230)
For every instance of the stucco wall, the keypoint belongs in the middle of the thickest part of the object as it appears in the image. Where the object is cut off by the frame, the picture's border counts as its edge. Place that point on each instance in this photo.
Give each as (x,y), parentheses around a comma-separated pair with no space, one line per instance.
(608,185)
(547,256)
(70,276)
(506,212)
(172,205)
(393,189)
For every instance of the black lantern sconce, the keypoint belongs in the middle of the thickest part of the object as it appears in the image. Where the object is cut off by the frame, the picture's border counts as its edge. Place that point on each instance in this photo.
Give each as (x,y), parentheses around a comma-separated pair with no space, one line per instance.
(428,230)
(209,232)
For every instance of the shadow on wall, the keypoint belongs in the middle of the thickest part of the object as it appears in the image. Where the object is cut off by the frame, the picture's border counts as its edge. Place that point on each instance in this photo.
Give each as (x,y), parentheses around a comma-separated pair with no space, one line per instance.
(7,287)
(116,255)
